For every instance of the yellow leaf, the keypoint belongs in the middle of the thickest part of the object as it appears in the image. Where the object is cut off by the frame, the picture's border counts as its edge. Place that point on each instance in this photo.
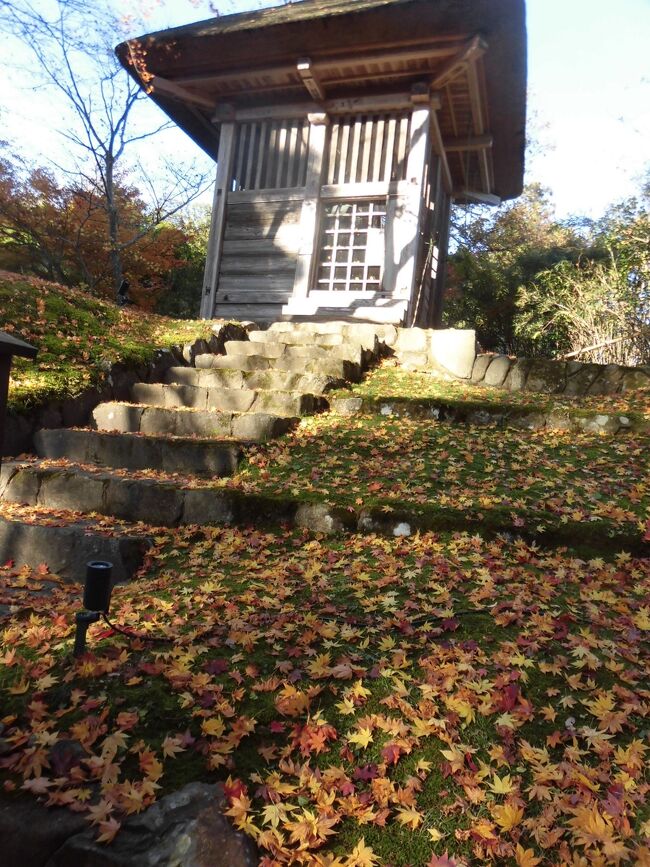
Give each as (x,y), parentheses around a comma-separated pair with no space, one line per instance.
(213,727)
(501,785)
(435,834)
(507,816)
(362,856)
(20,688)
(409,817)
(526,857)
(361,738)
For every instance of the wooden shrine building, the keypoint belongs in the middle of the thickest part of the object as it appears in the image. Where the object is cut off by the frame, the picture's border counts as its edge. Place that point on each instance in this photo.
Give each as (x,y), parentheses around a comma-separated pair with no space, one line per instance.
(342,130)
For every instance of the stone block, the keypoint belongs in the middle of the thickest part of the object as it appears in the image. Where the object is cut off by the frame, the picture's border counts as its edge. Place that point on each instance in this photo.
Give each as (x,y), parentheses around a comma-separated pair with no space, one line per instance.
(203,424)
(318,518)
(242,362)
(230,399)
(580,377)
(284,403)
(158,421)
(609,381)
(17,434)
(66,550)
(259,427)
(558,420)
(528,421)
(518,374)
(117,416)
(547,376)
(216,460)
(347,405)
(600,424)
(411,340)
(185,828)
(239,348)
(633,379)
(454,349)
(149,394)
(495,375)
(480,366)
(207,506)
(143,500)
(413,360)
(74,445)
(21,486)
(71,491)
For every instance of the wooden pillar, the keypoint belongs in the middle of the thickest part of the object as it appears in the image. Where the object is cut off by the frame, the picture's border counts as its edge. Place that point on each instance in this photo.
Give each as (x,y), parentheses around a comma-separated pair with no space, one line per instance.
(443,255)
(218,224)
(309,213)
(408,209)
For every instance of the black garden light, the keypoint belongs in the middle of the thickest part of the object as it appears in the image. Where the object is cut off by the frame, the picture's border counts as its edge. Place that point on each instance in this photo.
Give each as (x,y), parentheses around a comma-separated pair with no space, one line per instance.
(97,599)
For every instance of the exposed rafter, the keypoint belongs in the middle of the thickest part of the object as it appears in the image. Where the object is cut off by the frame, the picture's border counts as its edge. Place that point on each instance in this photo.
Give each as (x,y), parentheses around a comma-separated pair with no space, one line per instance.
(176,91)
(470,53)
(473,143)
(310,80)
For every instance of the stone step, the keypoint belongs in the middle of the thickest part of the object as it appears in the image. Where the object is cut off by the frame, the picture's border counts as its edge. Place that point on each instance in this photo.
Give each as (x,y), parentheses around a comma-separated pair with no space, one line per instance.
(161,421)
(240,400)
(365,338)
(154,502)
(239,348)
(258,380)
(137,452)
(335,368)
(349,351)
(67,543)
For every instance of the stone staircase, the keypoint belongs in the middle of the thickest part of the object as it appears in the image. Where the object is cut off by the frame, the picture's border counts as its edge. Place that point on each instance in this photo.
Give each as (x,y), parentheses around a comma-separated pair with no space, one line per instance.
(95,493)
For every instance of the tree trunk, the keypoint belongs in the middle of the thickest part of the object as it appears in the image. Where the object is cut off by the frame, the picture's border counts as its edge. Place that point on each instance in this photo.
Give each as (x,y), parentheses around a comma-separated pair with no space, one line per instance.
(113,225)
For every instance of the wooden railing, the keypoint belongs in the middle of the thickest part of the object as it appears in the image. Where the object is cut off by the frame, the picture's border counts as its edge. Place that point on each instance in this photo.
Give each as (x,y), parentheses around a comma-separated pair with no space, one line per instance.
(9,346)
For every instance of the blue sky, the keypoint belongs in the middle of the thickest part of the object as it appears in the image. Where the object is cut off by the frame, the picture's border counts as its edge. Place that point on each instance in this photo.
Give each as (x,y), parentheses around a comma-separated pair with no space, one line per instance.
(589,95)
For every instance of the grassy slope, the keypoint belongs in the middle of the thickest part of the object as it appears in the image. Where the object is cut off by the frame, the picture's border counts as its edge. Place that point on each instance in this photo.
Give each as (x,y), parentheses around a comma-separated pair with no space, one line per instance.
(78,336)
(423,695)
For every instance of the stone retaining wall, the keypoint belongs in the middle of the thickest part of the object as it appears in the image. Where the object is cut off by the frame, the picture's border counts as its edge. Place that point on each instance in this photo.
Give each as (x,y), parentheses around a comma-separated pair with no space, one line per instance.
(569,378)
(116,385)
(451,354)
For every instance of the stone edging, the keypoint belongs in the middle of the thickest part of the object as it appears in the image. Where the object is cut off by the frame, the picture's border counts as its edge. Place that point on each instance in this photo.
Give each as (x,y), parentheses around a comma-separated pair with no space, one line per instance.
(481,414)
(116,386)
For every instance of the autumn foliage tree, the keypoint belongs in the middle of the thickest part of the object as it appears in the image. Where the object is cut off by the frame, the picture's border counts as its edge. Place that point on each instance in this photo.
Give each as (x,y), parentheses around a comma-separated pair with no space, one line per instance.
(58,231)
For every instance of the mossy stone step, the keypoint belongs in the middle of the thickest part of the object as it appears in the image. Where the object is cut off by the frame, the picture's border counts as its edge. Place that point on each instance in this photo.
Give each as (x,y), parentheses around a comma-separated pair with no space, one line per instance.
(138,452)
(469,412)
(155,421)
(264,380)
(240,400)
(332,367)
(67,544)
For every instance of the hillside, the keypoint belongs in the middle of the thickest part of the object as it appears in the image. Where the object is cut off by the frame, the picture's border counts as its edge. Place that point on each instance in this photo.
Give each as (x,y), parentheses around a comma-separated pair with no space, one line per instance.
(78,336)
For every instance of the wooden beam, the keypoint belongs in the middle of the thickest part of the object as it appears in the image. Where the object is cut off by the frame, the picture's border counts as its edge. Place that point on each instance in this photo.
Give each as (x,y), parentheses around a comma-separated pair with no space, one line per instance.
(218,223)
(310,80)
(439,148)
(478,117)
(177,91)
(474,49)
(309,213)
(279,73)
(473,143)
(353,105)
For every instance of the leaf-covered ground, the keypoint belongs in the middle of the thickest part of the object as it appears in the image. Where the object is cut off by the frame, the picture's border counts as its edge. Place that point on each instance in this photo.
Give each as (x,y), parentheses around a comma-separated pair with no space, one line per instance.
(435,700)
(78,337)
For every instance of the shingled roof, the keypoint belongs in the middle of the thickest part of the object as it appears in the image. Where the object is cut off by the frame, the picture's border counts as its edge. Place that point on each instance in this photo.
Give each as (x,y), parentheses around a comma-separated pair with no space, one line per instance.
(359,46)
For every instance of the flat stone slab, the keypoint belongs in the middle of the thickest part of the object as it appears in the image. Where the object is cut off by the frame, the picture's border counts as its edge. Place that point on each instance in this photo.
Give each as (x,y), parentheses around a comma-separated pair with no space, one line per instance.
(186,827)
(228,400)
(127,418)
(137,452)
(67,547)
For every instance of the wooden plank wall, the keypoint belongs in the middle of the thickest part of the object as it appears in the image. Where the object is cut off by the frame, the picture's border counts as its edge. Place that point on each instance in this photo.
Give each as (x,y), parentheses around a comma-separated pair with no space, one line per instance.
(270,155)
(368,148)
(258,265)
